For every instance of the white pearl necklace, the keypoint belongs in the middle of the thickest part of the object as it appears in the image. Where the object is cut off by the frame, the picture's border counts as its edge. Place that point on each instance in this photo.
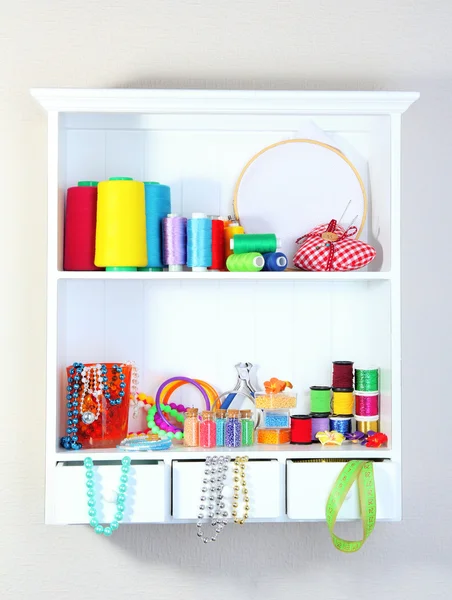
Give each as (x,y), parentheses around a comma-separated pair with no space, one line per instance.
(134,381)
(212,497)
(92,386)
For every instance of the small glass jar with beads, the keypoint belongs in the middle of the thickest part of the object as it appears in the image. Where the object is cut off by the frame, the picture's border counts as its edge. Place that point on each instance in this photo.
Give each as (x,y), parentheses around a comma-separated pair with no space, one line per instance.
(191,428)
(233,430)
(207,430)
(247,427)
(221,423)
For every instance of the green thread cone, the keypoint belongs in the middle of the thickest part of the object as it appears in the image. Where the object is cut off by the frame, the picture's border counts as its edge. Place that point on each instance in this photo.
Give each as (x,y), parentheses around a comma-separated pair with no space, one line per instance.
(254,242)
(250,262)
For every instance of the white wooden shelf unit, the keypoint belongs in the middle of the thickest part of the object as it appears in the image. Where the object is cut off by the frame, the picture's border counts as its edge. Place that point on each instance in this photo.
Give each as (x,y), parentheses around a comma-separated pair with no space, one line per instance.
(201,324)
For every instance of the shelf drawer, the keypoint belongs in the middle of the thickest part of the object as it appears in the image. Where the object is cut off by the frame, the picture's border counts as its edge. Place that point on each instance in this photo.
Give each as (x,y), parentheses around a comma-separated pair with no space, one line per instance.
(263,478)
(145,501)
(309,485)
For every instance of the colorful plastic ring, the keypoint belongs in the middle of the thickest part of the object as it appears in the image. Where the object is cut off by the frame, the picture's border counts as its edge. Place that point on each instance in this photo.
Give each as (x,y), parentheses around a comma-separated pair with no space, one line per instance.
(174,379)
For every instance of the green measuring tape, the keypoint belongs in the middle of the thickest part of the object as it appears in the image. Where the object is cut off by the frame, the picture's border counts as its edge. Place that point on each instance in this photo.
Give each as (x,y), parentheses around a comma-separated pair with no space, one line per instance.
(362,472)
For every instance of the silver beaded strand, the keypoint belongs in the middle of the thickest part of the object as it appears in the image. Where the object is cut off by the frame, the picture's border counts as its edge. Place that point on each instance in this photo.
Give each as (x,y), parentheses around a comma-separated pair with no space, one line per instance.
(212,504)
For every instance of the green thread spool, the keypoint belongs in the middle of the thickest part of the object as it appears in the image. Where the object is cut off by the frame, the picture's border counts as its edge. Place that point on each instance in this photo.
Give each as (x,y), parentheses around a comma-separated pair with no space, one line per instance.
(249,262)
(366,380)
(243,243)
(320,399)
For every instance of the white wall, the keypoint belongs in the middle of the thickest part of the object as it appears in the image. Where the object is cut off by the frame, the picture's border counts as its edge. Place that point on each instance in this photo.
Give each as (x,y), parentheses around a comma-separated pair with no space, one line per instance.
(287,44)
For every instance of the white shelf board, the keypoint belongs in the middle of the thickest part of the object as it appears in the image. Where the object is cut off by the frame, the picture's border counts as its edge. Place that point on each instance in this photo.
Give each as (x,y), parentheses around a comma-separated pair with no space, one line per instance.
(347,451)
(226,276)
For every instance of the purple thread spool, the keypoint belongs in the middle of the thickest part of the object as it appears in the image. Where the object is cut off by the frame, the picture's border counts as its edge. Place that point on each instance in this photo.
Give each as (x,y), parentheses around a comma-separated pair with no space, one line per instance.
(174,233)
(320,422)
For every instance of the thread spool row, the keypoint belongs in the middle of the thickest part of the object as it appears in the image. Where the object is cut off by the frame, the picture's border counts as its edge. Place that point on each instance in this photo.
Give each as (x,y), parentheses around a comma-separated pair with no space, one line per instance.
(122,224)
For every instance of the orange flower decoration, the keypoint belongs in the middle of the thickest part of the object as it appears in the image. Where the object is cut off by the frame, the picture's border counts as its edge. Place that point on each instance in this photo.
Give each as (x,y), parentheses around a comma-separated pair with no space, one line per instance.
(275,385)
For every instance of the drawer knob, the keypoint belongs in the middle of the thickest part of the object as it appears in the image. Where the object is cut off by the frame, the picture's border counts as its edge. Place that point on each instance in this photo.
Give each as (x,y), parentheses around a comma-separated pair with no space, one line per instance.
(110,495)
(227,492)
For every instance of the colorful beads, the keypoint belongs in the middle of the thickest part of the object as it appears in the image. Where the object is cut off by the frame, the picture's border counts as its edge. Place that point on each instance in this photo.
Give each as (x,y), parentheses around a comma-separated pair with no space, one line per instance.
(191,428)
(247,427)
(233,430)
(120,500)
(275,419)
(281,400)
(221,423)
(273,436)
(207,431)
(158,425)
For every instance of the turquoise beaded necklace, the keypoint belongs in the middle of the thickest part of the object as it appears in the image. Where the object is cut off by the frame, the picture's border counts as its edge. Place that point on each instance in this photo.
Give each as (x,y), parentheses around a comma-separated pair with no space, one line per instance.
(120,500)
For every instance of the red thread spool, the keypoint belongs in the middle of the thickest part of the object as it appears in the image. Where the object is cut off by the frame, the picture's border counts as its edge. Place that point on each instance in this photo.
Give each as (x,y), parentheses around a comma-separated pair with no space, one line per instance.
(218,257)
(301,429)
(343,374)
(80,227)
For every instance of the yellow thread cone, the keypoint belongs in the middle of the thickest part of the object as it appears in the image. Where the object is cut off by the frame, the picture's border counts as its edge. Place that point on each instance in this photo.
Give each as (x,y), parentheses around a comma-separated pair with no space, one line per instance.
(121,224)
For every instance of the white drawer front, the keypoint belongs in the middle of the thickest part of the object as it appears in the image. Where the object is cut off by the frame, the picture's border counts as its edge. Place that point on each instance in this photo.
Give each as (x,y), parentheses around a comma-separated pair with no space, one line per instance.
(263,480)
(309,485)
(145,498)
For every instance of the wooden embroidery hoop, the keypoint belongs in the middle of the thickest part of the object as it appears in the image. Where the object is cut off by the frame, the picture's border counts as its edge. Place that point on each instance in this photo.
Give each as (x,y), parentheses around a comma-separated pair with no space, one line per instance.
(305,141)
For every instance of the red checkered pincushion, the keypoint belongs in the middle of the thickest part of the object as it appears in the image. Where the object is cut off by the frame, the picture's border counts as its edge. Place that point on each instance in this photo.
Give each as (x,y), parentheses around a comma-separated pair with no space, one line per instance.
(329,248)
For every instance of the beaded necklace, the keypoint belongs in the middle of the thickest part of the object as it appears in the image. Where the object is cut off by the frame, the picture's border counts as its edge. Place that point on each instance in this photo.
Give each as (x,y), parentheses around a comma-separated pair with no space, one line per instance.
(212,500)
(240,478)
(120,499)
(70,440)
(158,426)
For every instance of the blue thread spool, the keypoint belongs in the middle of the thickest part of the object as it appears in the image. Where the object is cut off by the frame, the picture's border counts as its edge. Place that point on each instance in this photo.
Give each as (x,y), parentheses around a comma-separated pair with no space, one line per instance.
(199,242)
(342,424)
(158,205)
(274,261)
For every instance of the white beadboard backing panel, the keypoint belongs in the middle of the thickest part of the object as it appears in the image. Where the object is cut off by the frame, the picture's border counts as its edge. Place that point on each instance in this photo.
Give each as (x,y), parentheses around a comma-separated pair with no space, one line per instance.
(84,156)
(201,329)
(125,154)
(201,157)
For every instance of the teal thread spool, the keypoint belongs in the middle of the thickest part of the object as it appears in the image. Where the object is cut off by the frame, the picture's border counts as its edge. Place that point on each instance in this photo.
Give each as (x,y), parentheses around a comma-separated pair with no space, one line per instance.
(199,242)
(366,380)
(158,205)
(320,399)
(243,243)
(250,262)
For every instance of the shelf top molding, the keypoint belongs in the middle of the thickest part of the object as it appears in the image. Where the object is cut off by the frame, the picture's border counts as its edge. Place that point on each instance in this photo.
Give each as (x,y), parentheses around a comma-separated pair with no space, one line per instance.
(223,101)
